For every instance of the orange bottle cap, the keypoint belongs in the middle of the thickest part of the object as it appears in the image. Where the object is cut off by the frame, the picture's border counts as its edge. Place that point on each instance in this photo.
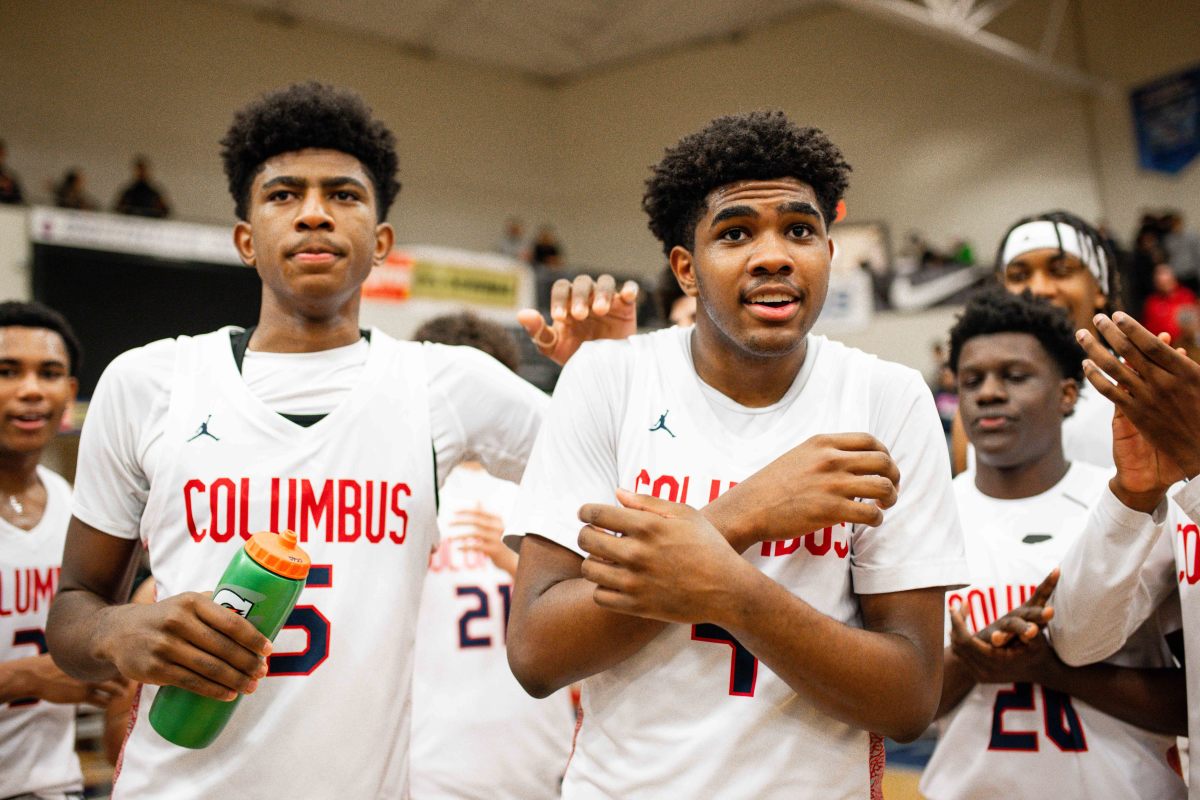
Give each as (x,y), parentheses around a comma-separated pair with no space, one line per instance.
(279,553)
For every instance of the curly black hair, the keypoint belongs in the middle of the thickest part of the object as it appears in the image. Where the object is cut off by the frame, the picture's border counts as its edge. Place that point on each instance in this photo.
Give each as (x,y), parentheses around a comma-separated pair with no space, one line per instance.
(469,330)
(994,310)
(1090,237)
(18,314)
(760,145)
(308,115)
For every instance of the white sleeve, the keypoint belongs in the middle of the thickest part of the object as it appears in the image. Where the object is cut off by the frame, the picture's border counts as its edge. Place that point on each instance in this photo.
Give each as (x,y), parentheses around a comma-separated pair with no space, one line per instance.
(1113,578)
(111,485)
(920,542)
(575,458)
(1187,497)
(480,410)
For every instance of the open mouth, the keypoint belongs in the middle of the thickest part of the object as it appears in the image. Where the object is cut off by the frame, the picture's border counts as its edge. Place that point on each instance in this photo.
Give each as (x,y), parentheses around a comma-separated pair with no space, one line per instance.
(29,421)
(773,306)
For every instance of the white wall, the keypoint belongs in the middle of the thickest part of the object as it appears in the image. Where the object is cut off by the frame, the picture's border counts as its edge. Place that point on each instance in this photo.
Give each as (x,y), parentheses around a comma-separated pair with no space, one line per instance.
(941,140)
(1133,44)
(92,84)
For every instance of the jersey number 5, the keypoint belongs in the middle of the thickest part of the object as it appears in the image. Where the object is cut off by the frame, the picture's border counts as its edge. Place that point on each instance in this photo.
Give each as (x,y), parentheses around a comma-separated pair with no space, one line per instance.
(315,626)
(1061,722)
(743,666)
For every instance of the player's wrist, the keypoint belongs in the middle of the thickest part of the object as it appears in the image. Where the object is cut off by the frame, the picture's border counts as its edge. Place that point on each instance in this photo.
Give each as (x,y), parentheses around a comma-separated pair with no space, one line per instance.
(1143,501)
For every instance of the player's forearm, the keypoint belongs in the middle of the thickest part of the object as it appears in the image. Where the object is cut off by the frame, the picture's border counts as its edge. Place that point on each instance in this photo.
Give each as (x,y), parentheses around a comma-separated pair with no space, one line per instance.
(75,633)
(16,679)
(564,637)
(1153,699)
(874,680)
(957,681)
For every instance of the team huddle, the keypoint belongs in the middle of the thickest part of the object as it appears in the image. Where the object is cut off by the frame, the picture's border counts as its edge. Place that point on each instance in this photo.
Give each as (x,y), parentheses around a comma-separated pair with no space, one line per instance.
(739,542)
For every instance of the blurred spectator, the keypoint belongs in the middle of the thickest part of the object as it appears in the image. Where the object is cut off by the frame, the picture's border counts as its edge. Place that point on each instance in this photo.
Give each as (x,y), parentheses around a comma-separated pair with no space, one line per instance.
(69,192)
(513,244)
(676,307)
(1183,250)
(1160,314)
(10,187)
(1147,252)
(945,397)
(141,198)
(547,252)
(1189,331)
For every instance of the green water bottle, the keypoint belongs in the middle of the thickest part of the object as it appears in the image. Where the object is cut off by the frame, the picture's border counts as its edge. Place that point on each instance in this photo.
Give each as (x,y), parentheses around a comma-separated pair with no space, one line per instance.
(262,583)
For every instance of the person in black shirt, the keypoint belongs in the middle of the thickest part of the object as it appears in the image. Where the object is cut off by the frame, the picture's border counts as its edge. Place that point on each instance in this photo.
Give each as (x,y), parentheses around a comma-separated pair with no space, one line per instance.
(141,198)
(10,187)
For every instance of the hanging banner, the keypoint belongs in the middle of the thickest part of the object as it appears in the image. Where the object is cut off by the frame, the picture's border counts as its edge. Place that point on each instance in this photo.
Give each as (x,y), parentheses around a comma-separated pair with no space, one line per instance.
(1166,116)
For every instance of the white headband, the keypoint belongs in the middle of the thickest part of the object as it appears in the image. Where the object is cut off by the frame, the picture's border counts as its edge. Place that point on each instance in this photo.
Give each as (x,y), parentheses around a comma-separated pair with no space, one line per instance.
(1043,234)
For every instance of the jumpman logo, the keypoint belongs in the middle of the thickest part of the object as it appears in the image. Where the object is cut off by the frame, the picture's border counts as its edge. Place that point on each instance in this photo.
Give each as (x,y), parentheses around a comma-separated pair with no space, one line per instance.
(203,431)
(662,424)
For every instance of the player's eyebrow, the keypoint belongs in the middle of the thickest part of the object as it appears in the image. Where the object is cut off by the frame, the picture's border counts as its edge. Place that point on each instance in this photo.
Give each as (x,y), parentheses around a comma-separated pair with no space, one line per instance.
(799,207)
(292,181)
(343,180)
(284,180)
(730,213)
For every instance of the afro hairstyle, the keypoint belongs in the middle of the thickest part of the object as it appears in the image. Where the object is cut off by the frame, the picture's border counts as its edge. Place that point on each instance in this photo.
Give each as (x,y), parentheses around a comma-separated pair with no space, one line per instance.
(760,145)
(995,310)
(469,330)
(307,115)
(16,314)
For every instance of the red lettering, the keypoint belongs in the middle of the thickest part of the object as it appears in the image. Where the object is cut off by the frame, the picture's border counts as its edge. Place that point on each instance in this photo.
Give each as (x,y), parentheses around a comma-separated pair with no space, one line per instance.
(349,509)
(275,505)
(1190,541)
(22,607)
(244,508)
(193,485)
(642,477)
(214,507)
(669,483)
(375,534)
(810,542)
(316,509)
(43,590)
(292,511)
(398,510)
(786,548)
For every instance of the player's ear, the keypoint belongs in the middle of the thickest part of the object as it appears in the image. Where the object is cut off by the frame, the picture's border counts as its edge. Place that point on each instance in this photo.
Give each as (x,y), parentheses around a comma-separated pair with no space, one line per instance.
(243,240)
(385,237)
(683,266)
(1069,395)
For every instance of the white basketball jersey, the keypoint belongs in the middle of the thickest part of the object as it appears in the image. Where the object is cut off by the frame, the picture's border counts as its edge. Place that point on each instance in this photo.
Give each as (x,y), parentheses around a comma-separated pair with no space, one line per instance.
(694,714)
(468,709)
(1015,740)
(37,739)
(332,717)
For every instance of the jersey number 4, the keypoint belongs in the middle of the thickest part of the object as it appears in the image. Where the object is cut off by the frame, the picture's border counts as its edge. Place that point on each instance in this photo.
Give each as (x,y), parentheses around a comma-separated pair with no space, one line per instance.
(743,666)
(315,626)
(1060,720)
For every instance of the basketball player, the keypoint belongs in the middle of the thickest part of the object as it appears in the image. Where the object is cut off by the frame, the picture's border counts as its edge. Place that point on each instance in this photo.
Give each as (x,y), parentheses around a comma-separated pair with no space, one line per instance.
(1062,258)
(707,673)
(467,707)
(1142,540)
(302,422)
(39,359)
(1016,720)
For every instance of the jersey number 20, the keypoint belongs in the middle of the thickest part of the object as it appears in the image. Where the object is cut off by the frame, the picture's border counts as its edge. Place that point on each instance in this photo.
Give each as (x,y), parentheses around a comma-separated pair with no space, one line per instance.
(1061,722)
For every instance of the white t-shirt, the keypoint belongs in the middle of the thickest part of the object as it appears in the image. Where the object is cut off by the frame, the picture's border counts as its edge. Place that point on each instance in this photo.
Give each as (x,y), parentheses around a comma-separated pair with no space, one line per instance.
(1123,568)
(304,383)
(691,714)
(179,452)
(37,739)
(1014,740)
(468,709)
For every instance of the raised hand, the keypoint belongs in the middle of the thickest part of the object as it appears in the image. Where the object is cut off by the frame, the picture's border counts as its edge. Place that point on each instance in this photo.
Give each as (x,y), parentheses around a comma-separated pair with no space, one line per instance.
(825,481)
(186,641)
(669,563)
(1026,620)
(582,310)
(481,533)
(1154,386)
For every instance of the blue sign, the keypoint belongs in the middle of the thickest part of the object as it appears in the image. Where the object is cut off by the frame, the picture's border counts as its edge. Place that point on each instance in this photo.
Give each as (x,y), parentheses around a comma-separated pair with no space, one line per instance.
(1166,115)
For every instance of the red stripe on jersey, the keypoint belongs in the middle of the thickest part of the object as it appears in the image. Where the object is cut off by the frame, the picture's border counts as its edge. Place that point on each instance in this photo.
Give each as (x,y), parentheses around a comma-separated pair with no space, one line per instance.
(133,712)
(876,761)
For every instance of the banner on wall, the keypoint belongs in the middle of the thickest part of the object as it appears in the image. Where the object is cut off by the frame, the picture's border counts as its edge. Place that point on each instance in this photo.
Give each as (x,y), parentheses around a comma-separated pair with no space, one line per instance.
(1166,116)
(449,275)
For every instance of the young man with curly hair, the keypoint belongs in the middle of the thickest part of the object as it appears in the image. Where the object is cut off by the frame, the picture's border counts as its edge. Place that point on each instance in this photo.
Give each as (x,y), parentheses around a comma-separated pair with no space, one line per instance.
(733,648)
(1014,718)
(303,422)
